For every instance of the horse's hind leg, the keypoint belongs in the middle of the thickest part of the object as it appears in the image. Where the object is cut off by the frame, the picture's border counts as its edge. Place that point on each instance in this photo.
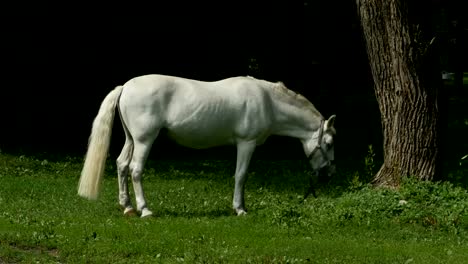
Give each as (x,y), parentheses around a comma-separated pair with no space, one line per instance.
(123,162)
(140,154)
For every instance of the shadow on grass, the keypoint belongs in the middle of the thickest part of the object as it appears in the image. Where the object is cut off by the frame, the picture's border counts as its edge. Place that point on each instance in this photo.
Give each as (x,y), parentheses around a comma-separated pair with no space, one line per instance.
(213,213)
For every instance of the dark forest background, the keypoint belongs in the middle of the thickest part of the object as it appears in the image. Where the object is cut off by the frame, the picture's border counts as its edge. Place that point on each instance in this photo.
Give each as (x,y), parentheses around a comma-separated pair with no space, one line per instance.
(59,61)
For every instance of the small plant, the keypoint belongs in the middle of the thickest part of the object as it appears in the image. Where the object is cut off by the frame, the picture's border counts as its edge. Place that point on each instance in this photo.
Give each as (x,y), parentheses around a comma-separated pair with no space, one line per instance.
(357,181)
(369,163)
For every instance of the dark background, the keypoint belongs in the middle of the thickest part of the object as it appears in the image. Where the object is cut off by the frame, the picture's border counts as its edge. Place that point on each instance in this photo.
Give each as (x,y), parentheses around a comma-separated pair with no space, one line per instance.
(59,62)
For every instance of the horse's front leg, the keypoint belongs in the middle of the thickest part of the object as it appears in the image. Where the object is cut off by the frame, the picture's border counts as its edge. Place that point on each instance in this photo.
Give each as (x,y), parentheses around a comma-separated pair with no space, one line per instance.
(244,154)
(313,180)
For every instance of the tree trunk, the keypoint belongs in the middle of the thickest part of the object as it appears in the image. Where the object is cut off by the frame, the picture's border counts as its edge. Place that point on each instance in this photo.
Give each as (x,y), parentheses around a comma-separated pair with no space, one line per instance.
(407,99)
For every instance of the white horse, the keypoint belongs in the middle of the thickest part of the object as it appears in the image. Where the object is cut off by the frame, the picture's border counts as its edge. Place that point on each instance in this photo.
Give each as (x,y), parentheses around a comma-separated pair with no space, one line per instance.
(242,110)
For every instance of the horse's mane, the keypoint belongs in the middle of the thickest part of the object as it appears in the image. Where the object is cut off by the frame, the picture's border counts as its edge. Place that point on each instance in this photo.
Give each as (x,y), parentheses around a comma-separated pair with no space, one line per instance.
(290,96)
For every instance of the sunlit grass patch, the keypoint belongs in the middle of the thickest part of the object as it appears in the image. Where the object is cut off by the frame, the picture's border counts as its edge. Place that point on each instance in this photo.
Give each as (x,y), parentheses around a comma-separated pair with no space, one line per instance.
(44,220)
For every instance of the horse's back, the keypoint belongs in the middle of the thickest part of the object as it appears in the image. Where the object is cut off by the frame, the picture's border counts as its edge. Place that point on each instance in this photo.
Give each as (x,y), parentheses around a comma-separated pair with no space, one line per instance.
(167,90)
(155,83)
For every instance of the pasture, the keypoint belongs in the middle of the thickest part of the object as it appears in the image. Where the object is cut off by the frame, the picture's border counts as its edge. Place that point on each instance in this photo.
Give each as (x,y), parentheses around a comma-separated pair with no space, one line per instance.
(43,219)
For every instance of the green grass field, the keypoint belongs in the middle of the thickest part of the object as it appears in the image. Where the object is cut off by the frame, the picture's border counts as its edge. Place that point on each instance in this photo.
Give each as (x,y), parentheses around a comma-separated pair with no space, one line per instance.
(42,219)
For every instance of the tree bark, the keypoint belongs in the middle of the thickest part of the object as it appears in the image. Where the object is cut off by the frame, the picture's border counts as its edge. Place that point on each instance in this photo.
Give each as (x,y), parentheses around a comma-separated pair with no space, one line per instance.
(407,99)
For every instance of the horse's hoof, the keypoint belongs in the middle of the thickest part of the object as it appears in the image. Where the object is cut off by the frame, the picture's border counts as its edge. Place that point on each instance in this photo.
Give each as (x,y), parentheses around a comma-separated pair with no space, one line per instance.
(129,211)
(145,213)
(240,212)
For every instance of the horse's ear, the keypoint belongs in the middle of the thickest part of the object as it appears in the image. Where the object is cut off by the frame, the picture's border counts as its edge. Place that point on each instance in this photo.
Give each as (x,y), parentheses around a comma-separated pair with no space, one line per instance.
(330,123)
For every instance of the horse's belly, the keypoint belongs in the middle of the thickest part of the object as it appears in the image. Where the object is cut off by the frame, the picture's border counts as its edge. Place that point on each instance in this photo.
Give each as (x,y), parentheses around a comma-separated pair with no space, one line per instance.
(201,137)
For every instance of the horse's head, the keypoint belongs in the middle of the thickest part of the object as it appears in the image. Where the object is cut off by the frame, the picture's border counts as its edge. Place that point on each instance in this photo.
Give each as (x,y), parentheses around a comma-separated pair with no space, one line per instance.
(319,148)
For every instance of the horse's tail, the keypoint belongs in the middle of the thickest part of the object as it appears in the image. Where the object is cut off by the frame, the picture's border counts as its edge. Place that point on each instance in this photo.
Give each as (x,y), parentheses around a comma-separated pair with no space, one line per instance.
(98,146)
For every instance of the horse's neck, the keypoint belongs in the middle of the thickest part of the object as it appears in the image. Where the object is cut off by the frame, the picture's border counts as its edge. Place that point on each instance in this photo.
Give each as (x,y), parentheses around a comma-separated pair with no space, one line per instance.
(294,121)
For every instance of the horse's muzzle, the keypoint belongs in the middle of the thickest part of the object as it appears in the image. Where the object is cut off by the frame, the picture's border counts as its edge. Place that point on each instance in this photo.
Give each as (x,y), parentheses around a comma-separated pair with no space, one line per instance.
(328,171)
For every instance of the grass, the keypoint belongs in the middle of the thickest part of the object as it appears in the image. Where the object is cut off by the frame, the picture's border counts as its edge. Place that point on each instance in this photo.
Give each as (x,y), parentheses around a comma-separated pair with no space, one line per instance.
(43,220)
